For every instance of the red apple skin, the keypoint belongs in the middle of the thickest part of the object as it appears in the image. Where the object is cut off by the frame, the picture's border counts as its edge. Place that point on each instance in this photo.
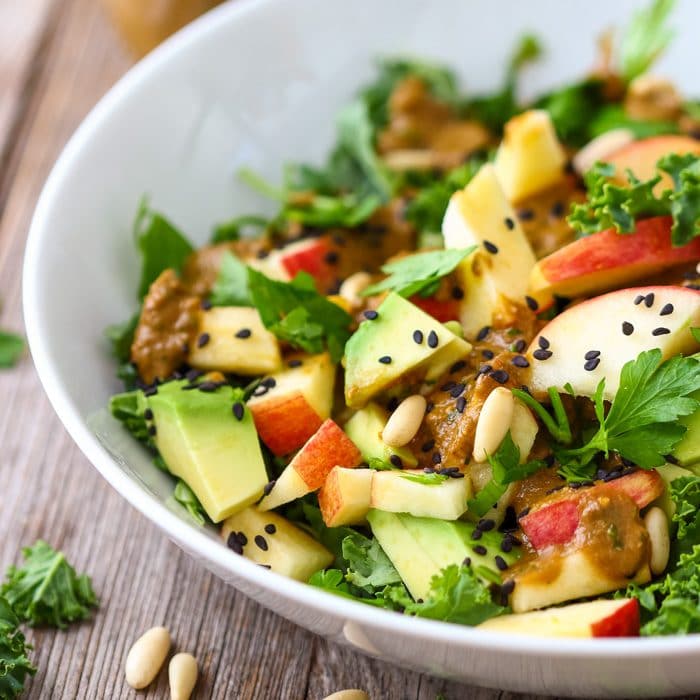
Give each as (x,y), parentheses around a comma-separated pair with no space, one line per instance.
(284,424)
(442,311)
(624,622)
(552,524)
(556,522)
(608,260)
(327,448)
(309,257)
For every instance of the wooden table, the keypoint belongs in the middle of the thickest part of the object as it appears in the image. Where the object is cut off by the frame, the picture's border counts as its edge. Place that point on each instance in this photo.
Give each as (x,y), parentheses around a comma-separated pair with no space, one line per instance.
(57,57)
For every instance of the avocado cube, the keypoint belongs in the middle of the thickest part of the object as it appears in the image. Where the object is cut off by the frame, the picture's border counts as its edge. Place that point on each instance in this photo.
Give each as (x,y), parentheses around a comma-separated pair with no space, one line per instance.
(687,451)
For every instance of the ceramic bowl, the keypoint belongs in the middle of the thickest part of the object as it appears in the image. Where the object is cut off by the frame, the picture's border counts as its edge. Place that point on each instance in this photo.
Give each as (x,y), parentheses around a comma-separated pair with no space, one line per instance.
(258,82)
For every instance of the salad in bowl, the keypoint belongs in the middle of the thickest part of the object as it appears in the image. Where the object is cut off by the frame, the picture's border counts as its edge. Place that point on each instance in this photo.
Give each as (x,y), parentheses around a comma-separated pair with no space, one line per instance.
(457,374)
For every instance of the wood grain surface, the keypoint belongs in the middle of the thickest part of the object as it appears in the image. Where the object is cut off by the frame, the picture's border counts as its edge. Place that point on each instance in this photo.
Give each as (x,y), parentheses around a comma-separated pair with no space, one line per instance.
(57,57)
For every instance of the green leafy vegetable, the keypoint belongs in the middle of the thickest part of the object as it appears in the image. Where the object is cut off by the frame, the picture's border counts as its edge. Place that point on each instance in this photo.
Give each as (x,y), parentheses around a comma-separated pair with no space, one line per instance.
(233,229)
(368,567)
(161,245)
(46,589)
(15,665)
(129,408)
(685,494)
(184,495)
(11,349)
(613,116)
(294,311)
(432,479)
(334,581)
(505,468)
(419,273)
(231,286)
(646,37)
(620,206)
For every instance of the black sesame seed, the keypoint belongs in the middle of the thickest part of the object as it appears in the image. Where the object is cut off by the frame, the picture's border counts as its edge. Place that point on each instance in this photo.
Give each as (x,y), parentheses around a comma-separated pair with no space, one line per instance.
(148,414)
(526,214)
(396,461)
(432,339)
(262,254)
(457,366)
(477,534)
(205,304)
(370,314)
(208,387)
(268,487)
(238,410)
(232,542)
(331,257)
(457,390)
(385,359)
(627,328)
(429,407)
(427,446)
(437,458)
(292,364)
(484,369)
(261,542)
(531,303)
(483,333)
(392,404)
(480,549)
(557,210)
(591,355)
(418,337)
(487,354)
(193,374)
(519,345)
(500,562)
(269,382)
(649,300)
(457,293)
(508,587)
(429,470)
(638,299)
(467,561)
(510,224)
(203,340)
(541,354)
(493,249)
(461,404)
(500,376)
(667,310)
(543,342)
(270,529)
(520,361)
(448,386)
(661,331)
(590,365)
(152,430)
(506,545)
(486,524)
(244,333)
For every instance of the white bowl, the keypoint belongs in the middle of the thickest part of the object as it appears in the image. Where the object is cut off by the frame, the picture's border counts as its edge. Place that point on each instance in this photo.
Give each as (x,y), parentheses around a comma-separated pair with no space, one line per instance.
(258,83)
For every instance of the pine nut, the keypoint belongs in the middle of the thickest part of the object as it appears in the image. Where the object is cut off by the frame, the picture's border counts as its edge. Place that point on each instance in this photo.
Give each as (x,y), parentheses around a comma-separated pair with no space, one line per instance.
(350,289)
(146,657)
(182,675)
(600,147)
(657,526)
(494,422)
(404,422)
(349,694)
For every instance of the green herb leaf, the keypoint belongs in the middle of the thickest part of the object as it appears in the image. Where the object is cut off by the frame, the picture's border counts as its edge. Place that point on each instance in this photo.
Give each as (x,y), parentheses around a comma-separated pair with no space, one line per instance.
(184,495)
(15,665)
(46,589)
(433,479)
(129,408)
(161,245)
(613,116)
(231,286)
(419,273)
(368,567)
(11,349)
(646,37)
(233,229)
(380,465)
(294,311)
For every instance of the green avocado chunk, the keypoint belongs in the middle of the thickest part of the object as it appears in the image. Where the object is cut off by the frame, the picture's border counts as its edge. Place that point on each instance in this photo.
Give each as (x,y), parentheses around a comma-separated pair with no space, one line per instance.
(365,430)
(401,340)
(208,447)
(687,451)
(420,548)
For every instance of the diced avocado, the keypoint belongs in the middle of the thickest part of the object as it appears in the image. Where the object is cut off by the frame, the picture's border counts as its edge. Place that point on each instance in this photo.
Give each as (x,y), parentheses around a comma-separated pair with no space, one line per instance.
(420,548)
(687,451)
(669,472)
(365,430)
(203,442)
(384,350)
(284,548)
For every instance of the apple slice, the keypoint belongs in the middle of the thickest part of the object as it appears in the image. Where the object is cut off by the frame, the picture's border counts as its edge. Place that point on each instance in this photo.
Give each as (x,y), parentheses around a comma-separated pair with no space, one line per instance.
(441,310)
(496,274)
(641,156)
(233,339)
(328,447)
(345,496)
(313,256)
(530,158)
(556,522)
(288,412)
(544,582)
(609,260)
(618,325)
(598,618)
(273,542)
(396,492)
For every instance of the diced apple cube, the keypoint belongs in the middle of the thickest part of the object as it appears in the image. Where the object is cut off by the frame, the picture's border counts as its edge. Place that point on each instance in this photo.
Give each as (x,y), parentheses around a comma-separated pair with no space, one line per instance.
(345,496)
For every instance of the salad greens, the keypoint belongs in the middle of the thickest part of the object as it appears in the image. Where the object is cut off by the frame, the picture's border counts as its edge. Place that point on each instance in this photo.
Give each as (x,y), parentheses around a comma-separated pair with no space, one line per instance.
(11,349)
(15,665)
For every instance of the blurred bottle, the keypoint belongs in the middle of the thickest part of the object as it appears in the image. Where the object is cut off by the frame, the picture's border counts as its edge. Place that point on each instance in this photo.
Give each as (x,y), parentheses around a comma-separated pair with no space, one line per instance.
(143,24)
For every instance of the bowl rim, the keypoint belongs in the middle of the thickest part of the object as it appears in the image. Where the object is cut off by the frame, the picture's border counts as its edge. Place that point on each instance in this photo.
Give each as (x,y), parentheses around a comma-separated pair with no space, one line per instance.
(177,528)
